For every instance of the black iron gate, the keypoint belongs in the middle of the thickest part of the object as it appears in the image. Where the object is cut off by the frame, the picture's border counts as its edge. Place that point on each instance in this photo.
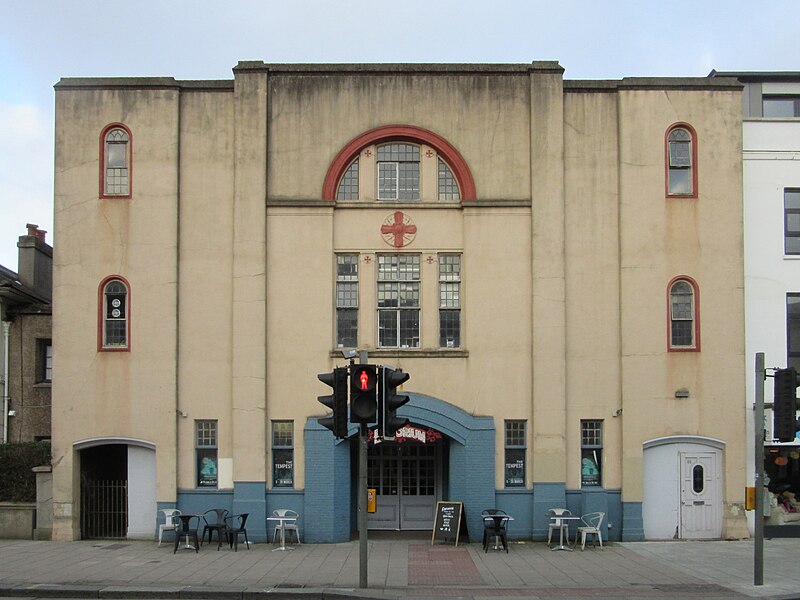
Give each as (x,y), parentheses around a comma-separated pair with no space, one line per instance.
(104,509)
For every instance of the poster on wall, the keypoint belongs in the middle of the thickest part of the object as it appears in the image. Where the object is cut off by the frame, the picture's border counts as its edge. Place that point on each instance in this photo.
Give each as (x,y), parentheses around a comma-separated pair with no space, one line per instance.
(207,467)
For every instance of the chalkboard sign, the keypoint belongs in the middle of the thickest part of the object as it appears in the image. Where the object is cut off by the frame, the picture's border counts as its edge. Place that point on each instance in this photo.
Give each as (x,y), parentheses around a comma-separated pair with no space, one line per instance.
(448,522)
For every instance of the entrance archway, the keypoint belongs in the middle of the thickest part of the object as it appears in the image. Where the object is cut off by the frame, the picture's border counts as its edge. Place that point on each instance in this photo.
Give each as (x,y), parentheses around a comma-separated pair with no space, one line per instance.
(118,488)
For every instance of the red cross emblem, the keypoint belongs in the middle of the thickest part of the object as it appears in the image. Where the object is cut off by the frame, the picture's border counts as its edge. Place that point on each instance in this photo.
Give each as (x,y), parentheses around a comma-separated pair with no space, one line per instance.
(398,230)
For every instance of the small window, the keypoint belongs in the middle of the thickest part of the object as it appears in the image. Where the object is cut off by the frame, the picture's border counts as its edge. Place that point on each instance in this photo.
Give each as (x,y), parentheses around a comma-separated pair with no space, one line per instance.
(206,453)
(793,330)
(448,187)
(681,159)
(449,300)
(398,172)
(116,162)
(515,453)
(591,453)
(282,454)
(116,308)
(348,185)
(398,300)
(44,361)
(683,334)
(781,107)
(791,221)
(698,479)
(347,300)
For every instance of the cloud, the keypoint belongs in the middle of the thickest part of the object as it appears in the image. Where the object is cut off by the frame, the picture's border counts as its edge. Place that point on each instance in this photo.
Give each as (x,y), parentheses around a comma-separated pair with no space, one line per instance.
(26,175)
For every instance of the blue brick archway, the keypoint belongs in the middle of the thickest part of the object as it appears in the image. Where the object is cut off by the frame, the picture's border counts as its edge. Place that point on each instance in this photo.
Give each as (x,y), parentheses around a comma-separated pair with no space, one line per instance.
(327,502)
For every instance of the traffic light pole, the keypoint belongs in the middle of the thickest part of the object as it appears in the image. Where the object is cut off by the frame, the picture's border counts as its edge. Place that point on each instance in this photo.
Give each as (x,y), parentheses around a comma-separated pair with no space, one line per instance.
(758,426)
(362,495)
(362,505)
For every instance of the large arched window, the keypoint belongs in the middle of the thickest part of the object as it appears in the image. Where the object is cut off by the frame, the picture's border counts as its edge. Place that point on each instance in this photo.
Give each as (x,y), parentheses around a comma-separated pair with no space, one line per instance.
(399,163)
(684,321)
(115,162)
(114,316)
(681,161)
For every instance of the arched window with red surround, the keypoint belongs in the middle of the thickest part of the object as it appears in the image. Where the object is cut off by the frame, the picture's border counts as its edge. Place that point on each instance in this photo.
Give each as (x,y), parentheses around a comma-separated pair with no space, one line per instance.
(113,318)
(680,158)
(115,161)
(683,315)
(399,163)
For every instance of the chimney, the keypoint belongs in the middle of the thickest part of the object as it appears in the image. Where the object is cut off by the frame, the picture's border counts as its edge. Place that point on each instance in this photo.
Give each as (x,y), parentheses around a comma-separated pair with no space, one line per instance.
(36,261)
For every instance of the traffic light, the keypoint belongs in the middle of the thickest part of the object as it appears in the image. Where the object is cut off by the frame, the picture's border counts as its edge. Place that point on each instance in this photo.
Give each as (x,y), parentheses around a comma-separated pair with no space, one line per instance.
(337,401)
(389,401)
(784,406)
(363,393)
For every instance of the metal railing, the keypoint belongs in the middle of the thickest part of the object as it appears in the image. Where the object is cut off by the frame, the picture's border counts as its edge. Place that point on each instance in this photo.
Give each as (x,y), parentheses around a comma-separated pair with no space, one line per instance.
(104,509)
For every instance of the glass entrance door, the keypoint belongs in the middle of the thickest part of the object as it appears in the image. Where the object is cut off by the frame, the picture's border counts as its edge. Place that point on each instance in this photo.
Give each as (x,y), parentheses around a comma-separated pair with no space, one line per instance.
(404,477)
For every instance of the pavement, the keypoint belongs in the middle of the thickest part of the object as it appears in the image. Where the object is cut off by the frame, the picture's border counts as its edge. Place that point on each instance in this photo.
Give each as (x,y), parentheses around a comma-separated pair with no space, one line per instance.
(398,568)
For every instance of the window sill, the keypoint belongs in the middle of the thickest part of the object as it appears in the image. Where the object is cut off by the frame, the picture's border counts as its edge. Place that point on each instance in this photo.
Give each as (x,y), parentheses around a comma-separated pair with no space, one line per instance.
(410,353)
(43,385)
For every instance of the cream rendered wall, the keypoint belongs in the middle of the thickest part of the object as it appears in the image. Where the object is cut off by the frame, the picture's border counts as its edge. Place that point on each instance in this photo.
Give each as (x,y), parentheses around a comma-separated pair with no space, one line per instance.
(660,239)
(107,394)
(593,277)
(206,281)
(489,127)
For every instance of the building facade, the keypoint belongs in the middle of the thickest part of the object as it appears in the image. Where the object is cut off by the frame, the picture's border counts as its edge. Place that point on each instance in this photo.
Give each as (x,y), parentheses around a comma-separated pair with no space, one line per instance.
(26,349)
(771,165)
(557,264)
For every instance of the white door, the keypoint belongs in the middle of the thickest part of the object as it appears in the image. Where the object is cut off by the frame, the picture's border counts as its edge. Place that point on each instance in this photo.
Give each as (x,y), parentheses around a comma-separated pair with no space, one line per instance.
(700,502)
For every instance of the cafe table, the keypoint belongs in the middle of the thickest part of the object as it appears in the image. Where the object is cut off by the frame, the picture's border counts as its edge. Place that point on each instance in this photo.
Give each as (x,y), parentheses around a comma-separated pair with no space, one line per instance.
(556,519)
(282,526)
(186,530)
(498,523)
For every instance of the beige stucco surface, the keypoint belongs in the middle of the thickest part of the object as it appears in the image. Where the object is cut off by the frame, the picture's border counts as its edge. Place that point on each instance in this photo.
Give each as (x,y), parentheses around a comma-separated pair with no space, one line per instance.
(230,254)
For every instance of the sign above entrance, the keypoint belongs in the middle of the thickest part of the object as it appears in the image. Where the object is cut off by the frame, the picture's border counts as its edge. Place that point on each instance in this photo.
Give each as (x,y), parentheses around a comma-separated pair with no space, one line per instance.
(409,433)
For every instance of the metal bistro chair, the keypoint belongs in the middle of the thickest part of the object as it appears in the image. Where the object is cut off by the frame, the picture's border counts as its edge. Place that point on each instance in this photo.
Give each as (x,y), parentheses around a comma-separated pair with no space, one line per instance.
(557,524)
(234,527)
(287,525)
(592,524)
(494,526)
(171,522)
(214,520)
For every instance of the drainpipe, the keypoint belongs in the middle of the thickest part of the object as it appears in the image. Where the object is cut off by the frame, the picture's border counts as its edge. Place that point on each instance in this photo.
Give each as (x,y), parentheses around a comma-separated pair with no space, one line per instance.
(6,337)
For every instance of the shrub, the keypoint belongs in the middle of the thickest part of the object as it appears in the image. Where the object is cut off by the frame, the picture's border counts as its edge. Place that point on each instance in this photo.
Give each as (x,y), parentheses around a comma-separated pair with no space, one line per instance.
(17,460)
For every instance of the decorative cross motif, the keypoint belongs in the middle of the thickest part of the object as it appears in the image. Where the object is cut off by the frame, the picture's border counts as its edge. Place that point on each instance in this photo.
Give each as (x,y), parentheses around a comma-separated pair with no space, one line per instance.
(367,258)
(398,230)
(367,153)
(429,260)
(429,153)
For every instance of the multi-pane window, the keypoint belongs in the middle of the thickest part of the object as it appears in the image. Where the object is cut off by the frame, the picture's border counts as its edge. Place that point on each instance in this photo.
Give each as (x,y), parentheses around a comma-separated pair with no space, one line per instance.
(793,330)
(780,107)
(282,453)
(115,314)
(398,300)
(682,315)
(791,221)
(515,453)
(347,300)
(449,300)
(44,361)
(679,151)
(348,185)
(398,172)
(448,187)
(591,453)
(206,453)
(116,162)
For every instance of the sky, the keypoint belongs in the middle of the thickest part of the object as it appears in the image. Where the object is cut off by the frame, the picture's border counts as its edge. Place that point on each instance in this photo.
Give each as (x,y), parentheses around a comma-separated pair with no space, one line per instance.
(42,41)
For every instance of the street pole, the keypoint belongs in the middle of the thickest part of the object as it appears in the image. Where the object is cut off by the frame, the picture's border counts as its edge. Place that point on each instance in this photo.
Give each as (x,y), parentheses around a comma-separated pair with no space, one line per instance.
(758,426)
(362,495)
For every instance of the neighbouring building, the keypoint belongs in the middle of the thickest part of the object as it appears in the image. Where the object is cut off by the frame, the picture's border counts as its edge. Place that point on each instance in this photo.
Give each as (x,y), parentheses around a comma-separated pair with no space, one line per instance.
(557,264)
(26,350)
(771,165)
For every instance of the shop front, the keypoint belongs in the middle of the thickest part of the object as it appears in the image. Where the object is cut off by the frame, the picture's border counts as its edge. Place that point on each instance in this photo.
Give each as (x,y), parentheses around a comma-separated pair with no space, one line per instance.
(782,508)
